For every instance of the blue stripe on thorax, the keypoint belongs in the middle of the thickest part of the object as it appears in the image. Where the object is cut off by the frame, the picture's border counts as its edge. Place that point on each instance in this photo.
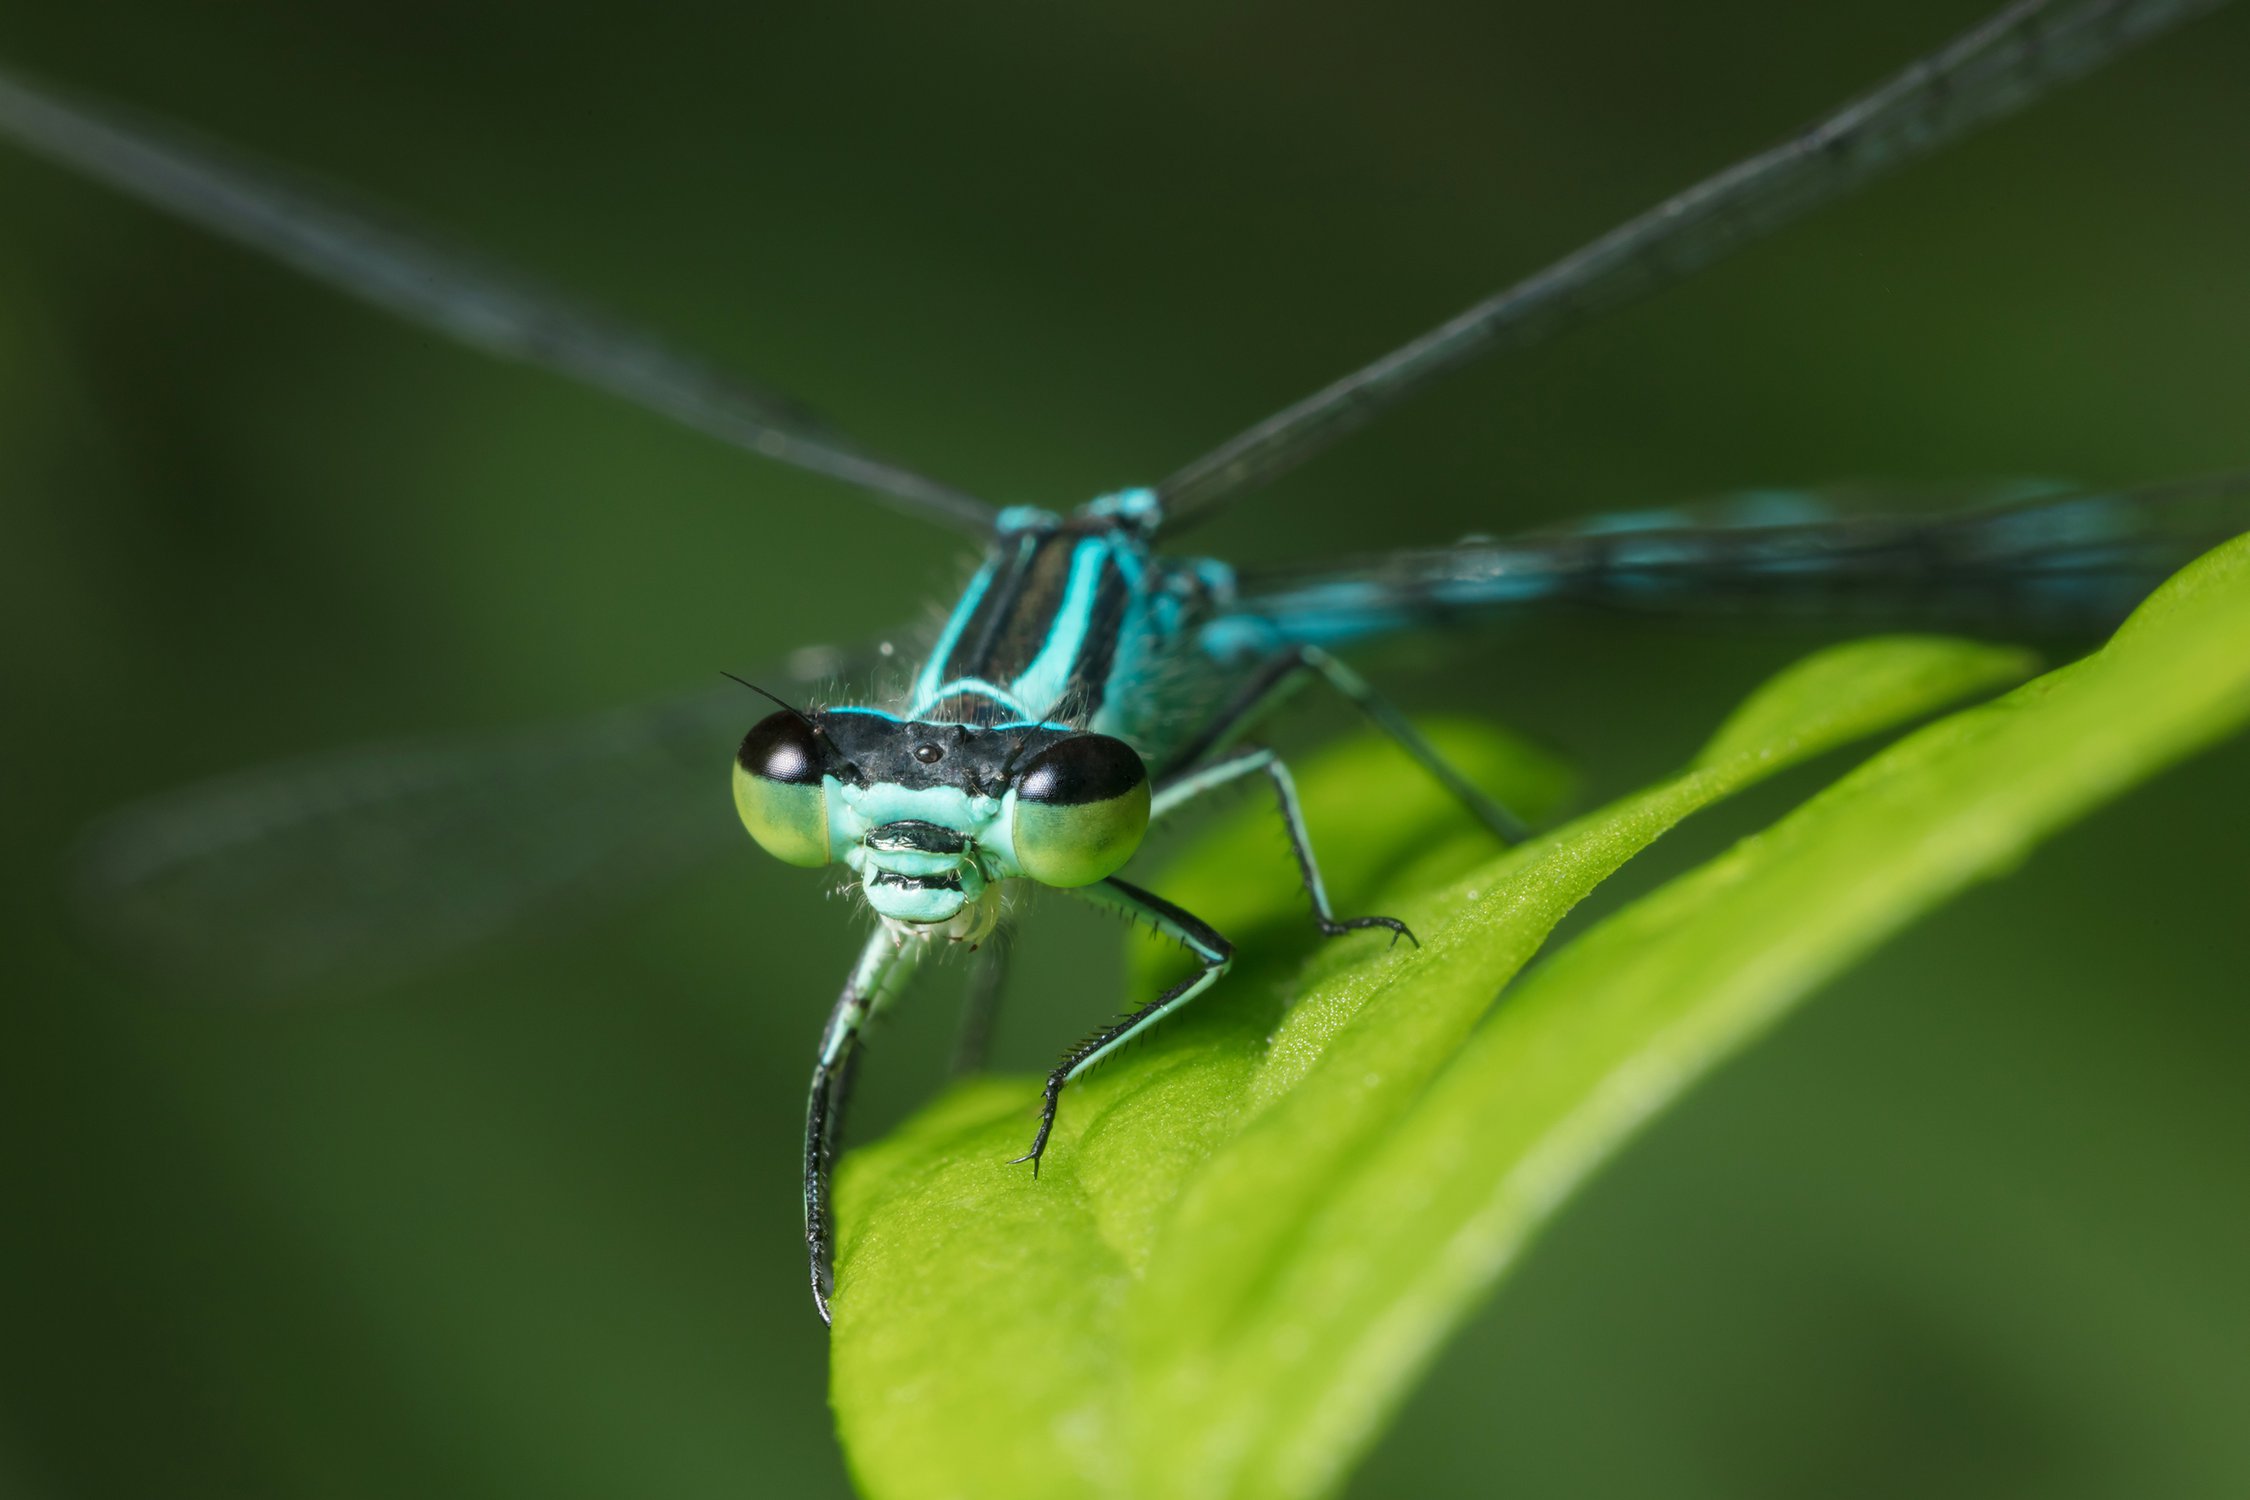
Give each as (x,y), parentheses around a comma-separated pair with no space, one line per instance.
(949,639)
(1073,635)
(1045,682)
(1020,529)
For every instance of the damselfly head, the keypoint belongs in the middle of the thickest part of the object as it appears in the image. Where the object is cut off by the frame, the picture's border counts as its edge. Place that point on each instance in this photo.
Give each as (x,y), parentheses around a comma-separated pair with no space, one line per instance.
(932,817)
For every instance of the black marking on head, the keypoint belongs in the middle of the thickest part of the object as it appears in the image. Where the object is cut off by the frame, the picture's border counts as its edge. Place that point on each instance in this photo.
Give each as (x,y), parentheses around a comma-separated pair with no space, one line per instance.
(1015,751)
(892,880)
(874,748)
(914,836)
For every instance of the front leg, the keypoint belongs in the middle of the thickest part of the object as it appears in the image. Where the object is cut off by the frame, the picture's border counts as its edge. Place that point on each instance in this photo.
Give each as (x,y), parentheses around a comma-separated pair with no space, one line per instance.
(1212,951)
(883,967)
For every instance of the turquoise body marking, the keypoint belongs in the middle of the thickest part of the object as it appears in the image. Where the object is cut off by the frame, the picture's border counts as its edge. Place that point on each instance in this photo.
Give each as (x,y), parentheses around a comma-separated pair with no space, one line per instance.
(925,684)
(1046,680)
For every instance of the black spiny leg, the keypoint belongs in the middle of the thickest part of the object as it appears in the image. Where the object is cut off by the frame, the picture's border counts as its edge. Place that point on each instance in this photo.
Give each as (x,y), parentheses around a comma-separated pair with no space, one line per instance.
(1384,715)
(1281,674)
(1233,767)
(883,965)
(1211,950)
(824,1116)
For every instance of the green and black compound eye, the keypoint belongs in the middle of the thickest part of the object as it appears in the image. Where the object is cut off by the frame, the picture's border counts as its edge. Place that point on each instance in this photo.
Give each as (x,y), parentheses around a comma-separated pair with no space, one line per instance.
(778,791)
(1081,809)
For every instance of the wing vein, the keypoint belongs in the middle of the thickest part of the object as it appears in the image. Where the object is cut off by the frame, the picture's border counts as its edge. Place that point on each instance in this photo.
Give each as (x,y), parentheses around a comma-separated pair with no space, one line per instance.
(2000,66)
(262,208)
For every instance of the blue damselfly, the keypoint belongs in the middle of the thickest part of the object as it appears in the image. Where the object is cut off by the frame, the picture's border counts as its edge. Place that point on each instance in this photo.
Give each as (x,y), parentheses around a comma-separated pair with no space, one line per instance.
(1089,678)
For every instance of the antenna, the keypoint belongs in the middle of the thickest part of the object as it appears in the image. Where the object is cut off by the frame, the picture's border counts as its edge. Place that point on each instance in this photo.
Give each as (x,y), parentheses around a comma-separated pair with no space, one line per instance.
(771,697)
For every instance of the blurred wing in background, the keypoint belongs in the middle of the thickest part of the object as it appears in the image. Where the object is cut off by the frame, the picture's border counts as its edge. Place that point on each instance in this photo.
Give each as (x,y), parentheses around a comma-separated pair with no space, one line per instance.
(362,865)
(504,315)
(2027,49)
(2061,561)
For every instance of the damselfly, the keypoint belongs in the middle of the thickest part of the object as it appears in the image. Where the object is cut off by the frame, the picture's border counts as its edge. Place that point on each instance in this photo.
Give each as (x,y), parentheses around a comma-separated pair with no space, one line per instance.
(1088,679)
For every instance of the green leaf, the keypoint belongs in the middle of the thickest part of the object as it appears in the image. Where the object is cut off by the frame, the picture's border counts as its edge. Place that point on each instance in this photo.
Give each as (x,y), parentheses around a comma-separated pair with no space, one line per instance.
(1254,1231)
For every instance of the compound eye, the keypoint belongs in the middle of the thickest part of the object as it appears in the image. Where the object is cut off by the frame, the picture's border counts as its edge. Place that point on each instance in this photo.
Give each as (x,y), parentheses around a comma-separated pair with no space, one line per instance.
(1081,809)
(778,790)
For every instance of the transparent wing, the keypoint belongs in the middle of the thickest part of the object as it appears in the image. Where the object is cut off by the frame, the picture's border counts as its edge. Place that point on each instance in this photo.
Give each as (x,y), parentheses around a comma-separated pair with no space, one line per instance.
(354,252)
(2004,64)
(2063,561)
(361,865)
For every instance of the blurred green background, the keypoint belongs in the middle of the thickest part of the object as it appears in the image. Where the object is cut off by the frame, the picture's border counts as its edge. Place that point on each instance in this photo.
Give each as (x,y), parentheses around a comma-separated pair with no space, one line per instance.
(1976,1224)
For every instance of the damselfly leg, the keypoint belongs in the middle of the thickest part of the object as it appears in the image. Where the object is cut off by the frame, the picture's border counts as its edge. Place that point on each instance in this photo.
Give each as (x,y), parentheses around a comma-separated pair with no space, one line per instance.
(1213,952)
(883,968)
(1284,672)
(1241,763)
